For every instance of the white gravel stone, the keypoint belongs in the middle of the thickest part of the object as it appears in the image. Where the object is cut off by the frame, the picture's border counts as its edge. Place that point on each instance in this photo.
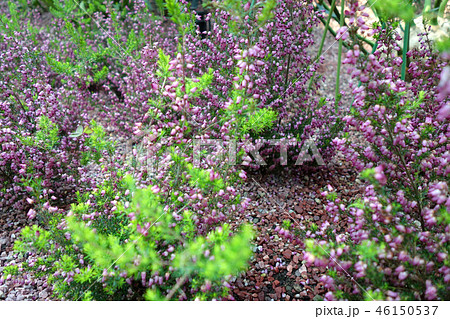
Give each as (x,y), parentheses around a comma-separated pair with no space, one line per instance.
(43,294)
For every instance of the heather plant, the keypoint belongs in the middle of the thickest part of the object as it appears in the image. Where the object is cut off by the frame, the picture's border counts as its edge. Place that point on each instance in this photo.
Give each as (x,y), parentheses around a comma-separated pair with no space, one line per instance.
(77,8)
(35,122)
(405,137)
(44,100)
(266,50)
(88,64)
(93,46)
(384,251)
(118,244)
(186,251)
(193,98)
(396,245)
(180,109)
(155,221)
(167,163)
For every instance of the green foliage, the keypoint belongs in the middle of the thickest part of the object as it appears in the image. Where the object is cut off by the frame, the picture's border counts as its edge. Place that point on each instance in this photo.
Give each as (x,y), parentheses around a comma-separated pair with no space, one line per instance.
(259,121)
(444,44)
(163,64)
(332,196)
(394,8)
(78,8)
(37,235)
(230,255)
(267,11)
(368,250)
(92,58)
(179,16)
(81,10)
(371,295)
(198,177)
(66,268)
(90,61)
(286,224)
(46,135)
(106,250)
(126,248)
(10,270)
(11,24)
(264,9)
(196,86)
(249,119)
(160,6)
(98,143)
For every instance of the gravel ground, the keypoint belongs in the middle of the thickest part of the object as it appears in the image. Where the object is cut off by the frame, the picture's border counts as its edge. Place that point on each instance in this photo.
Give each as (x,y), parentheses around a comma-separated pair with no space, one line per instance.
(27,287)
(277,271)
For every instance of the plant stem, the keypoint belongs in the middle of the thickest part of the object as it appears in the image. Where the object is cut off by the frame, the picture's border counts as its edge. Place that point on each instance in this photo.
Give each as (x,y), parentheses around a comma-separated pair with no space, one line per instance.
(409,176)
(405,48)
(287,72)
(426,13)
(363,50)
(180,282)
(338,73)
(336,11)
(251,8)
(324,35)
(442,7)
(371,43)
(327,25)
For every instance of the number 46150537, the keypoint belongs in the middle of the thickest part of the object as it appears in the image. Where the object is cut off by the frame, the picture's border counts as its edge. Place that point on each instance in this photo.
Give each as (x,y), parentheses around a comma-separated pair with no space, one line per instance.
(407,310)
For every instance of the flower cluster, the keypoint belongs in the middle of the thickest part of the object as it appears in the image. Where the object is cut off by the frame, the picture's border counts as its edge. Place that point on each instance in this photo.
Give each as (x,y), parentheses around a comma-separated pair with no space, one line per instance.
(38,158)
(396,245)
(151,215)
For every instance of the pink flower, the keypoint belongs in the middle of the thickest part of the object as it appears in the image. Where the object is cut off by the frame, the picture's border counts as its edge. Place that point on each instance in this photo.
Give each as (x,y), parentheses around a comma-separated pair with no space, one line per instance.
(329,296)
(431,291)
(444,113)
(31,214)
(444,85)
(342,34)
(379,175)
(155,189)
(402,275)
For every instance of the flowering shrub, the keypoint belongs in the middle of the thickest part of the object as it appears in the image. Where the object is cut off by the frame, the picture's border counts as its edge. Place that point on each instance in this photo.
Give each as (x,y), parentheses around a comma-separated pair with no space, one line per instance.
(110,249)
(152,219)
(51,78)
(396,246)
(192,97)
(271,72)
(39,161)
(197,248)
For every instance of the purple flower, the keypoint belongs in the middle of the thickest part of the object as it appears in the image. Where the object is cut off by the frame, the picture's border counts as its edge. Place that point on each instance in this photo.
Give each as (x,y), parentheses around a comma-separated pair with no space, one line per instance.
(431,291)
(444,113)
(31,214)
(403,275)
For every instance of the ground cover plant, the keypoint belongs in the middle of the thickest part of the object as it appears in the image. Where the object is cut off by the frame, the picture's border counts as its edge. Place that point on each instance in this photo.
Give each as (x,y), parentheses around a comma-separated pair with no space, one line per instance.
(130,136)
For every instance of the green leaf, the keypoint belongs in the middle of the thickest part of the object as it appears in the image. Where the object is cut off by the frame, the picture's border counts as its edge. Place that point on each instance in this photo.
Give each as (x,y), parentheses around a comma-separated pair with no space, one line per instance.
(389,9)
(78,132)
